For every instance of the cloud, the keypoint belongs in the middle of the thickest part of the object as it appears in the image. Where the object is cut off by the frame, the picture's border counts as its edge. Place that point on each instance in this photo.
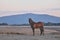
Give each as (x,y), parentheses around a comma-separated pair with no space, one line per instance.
(53,9)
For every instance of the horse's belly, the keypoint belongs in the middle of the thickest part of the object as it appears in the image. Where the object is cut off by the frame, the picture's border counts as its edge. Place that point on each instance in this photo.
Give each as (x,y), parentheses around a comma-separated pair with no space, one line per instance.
(36,26)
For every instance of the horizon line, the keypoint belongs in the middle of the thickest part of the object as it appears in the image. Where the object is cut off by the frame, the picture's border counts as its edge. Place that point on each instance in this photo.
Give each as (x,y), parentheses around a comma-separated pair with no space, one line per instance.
(28,13)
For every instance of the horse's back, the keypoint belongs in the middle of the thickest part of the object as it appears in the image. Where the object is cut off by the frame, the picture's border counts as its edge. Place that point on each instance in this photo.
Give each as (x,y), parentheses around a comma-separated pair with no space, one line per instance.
(41,23)
(38,25)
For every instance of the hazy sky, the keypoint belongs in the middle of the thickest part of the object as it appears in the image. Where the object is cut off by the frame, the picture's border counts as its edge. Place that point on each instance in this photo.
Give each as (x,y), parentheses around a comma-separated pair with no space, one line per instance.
(13,7)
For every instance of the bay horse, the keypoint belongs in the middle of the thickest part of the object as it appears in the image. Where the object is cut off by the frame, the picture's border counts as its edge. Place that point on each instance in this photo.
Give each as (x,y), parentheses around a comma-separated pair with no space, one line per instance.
(35,25)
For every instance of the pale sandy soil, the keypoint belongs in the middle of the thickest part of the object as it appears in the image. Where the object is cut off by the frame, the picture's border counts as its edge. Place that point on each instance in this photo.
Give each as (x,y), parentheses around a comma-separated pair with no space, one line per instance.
(25,33)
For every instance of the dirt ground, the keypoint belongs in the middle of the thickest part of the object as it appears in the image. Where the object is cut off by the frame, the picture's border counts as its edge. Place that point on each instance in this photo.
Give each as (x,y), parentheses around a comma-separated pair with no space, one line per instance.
(25,33)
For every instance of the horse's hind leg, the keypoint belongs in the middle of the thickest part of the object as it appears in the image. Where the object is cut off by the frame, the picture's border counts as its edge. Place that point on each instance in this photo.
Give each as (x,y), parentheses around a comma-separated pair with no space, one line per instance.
(41,30)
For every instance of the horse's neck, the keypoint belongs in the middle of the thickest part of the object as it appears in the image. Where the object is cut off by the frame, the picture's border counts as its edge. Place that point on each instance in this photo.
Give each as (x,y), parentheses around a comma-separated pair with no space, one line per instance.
(33,22)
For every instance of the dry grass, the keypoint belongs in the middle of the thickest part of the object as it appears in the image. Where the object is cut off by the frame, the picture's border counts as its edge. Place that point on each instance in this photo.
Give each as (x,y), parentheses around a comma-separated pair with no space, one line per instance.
(12,33)
(24,31)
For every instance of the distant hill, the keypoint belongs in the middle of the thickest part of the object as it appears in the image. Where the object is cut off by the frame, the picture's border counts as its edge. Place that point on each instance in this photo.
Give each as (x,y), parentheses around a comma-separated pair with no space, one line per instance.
(23,18)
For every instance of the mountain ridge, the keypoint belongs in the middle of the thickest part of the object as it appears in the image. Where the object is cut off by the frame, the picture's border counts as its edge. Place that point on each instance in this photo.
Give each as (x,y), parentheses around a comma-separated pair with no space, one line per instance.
(28,13)
(24,18)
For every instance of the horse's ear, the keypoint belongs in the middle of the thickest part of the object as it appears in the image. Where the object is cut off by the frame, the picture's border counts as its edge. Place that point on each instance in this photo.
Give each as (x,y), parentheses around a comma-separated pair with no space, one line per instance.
(29,18)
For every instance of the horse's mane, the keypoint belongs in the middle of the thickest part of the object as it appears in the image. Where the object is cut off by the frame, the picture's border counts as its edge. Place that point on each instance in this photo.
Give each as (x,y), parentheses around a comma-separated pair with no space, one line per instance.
(31,21)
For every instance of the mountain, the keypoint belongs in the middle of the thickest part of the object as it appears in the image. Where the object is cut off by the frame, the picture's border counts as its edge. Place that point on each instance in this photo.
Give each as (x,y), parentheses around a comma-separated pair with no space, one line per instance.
(24,18)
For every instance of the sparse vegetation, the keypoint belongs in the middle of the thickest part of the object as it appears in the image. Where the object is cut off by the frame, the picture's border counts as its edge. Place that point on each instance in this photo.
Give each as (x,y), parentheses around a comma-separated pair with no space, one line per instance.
(46,24)
(3,23)
(12,33)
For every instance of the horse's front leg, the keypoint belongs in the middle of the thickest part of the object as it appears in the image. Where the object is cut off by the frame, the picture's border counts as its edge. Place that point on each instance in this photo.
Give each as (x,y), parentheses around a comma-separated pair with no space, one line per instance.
(33,31)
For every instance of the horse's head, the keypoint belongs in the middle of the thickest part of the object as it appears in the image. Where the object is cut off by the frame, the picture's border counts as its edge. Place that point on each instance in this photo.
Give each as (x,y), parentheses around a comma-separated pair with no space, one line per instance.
(30,20)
